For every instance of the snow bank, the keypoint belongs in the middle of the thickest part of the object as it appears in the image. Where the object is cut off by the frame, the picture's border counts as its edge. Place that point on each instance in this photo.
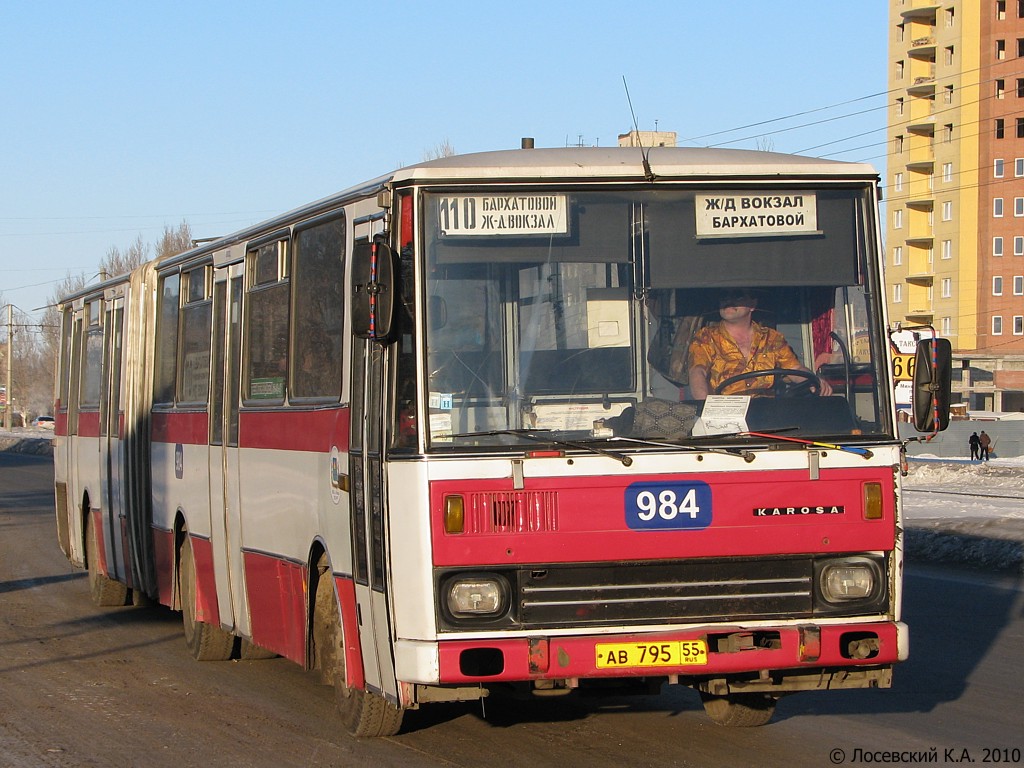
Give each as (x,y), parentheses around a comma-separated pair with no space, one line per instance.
(969,513)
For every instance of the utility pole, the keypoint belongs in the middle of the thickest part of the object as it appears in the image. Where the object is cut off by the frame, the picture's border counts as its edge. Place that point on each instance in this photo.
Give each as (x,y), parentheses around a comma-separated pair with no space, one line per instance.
(10,357)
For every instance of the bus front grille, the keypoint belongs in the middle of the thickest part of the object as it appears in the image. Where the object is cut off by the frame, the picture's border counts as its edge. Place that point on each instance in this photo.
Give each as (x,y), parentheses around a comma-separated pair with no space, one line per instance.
(512,512)
(688,591)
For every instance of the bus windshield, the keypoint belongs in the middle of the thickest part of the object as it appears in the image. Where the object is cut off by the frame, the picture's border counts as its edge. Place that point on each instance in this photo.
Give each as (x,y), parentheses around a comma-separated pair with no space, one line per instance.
(586,315)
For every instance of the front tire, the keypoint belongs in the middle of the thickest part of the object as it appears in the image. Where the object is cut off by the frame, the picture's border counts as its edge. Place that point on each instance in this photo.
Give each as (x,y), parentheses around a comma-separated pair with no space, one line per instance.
(205,642)
(739,710)
(104,591)
(363,713)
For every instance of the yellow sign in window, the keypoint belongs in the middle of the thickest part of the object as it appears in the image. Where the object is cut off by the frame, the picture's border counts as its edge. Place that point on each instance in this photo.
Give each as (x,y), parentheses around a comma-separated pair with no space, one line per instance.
(903,367)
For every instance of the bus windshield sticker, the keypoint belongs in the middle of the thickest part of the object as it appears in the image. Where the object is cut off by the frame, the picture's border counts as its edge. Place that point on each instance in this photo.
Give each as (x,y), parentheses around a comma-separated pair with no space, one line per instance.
(765,214)
(507,215)
(572,416)
(443,401)
(441,426)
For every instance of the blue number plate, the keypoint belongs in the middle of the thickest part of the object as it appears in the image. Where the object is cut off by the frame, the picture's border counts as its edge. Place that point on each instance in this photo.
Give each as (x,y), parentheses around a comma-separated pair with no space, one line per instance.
(668,506)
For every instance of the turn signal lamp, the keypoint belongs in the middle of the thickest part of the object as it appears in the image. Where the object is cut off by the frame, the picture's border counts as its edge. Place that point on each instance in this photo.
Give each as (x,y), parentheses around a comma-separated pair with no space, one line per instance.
(454,514)
(872,501)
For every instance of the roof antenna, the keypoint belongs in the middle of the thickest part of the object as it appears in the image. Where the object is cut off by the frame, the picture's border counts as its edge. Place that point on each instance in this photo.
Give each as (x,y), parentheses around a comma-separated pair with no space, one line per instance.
(648,173)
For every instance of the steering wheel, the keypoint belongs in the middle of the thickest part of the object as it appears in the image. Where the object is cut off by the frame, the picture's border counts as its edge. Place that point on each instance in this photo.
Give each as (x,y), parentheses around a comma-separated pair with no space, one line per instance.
(780,386)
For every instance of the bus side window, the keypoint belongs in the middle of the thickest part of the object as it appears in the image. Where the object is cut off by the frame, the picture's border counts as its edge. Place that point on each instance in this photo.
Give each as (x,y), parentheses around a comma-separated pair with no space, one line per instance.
(167,340)
(266,318)
(318,280)
(92,372)
(196,319)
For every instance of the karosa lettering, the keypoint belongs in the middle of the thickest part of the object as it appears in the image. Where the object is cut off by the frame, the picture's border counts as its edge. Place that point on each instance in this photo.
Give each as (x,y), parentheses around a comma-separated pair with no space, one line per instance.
(833,509)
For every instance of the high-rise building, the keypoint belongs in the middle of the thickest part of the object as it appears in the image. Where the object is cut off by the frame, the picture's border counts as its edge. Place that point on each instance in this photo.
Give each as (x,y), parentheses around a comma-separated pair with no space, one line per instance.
(955,187)
(647,139)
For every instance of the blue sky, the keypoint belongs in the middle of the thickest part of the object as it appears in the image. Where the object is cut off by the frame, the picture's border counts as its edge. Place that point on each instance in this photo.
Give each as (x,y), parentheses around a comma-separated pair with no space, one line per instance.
(121,118)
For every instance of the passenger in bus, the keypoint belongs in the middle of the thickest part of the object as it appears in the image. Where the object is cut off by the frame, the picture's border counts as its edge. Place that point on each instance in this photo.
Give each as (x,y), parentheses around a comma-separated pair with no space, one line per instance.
(736,345)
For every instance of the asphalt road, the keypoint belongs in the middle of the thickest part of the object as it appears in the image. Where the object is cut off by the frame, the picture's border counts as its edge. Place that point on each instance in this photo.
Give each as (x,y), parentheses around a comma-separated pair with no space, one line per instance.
(84,686)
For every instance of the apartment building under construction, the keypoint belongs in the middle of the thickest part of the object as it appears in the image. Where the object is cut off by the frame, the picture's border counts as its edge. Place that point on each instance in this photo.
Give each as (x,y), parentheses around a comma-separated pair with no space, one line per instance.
(955,187)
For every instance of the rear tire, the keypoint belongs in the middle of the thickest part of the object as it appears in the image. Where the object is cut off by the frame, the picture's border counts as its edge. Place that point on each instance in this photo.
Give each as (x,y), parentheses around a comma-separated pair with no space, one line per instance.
(104,591)
(249,651)
(739,710)
(364,714)
(205,642)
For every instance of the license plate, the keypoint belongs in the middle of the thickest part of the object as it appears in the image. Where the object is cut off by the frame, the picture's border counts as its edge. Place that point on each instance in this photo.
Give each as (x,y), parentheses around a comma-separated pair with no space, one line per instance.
(675,653)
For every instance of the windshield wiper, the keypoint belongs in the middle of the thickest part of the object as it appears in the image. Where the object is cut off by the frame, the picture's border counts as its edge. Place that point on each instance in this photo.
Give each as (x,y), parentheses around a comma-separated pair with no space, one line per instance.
(816,443)
(540,436)
(747,456)
(773,434)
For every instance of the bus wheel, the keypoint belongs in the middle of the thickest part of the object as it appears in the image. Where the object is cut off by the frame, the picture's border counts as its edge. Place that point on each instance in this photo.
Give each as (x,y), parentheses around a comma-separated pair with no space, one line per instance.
(249,651)
(104,590)
(363,713)
(743,710)
(205,642)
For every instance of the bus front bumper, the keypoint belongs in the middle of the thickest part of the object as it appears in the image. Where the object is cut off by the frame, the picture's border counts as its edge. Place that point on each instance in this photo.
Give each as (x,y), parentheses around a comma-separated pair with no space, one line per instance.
(855,654)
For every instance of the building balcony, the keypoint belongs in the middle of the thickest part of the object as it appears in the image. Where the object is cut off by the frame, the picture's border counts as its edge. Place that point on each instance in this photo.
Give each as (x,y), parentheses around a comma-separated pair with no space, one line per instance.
(922,86)
(921,240)
(920,278)
(921,203)
(925,165)
(921,9)
(923,126)
(922,48)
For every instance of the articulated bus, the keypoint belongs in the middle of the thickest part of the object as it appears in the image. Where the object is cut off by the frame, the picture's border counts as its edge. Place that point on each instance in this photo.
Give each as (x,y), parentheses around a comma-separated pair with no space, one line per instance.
(434,438)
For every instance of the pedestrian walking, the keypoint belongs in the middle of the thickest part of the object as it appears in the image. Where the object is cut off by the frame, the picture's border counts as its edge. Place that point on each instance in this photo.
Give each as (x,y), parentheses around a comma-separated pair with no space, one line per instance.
(984,441)
(975,443)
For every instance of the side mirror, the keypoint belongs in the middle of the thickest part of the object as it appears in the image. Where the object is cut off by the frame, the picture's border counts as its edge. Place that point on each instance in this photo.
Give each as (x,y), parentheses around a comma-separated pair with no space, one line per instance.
(933,371)
(373,290)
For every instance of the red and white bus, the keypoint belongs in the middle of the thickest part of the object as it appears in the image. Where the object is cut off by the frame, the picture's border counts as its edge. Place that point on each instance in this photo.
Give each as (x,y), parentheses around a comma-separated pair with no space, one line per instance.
(432,437)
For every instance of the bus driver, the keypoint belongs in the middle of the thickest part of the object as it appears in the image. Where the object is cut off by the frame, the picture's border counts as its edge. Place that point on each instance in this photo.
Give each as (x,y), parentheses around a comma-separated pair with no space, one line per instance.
(739,345)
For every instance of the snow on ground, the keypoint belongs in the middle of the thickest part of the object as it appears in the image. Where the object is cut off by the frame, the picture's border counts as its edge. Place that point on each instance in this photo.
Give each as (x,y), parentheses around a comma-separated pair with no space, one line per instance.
(964,512)
(938,488)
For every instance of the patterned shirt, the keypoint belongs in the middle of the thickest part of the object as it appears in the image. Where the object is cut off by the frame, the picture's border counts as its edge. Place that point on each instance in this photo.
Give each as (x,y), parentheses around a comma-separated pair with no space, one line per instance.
(713,348)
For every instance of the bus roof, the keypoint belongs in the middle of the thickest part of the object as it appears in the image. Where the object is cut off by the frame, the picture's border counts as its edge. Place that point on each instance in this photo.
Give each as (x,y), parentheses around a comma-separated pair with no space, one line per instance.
(627,163)
(568,163)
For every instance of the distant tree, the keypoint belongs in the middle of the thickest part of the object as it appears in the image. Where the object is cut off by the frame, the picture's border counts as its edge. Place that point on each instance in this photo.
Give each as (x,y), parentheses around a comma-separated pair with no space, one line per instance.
(50,331)
(174,240)
(31,377)
(443,148)
(39,361)
(118,262)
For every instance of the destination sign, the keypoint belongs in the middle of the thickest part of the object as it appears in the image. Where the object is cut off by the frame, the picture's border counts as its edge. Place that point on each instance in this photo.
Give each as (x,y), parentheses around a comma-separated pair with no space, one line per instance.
(757,215)
(512,215)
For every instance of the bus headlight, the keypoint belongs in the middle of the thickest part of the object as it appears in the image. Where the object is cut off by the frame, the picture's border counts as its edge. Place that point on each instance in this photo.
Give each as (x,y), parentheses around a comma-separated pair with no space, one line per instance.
(852,579)
(476,596)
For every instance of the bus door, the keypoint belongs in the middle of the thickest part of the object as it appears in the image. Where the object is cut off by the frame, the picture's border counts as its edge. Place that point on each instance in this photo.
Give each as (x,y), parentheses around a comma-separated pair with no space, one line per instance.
(111,443)
(368,500)
(225,504)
